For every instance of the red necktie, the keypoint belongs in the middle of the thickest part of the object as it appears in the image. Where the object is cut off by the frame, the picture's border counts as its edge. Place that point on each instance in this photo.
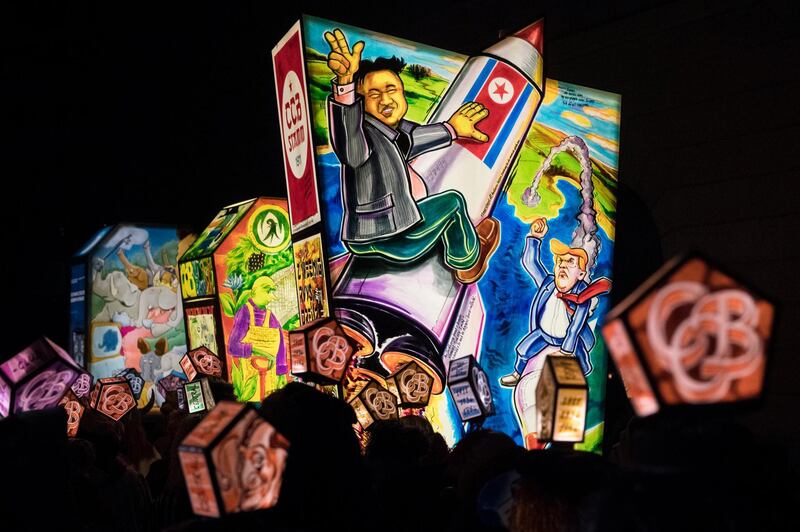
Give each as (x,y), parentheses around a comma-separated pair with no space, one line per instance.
(596,288)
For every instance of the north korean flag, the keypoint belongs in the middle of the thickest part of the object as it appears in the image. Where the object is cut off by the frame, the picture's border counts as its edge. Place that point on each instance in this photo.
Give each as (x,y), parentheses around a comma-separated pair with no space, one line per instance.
(506,93)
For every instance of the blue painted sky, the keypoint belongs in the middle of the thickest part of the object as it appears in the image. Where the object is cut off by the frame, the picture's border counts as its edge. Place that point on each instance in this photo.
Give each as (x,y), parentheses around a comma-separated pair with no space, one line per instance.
(445,63)
(599,109)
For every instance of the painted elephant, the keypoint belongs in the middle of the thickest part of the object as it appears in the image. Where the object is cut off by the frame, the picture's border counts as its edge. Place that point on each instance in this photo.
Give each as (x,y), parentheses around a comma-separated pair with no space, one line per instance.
(160,310)
(120,295)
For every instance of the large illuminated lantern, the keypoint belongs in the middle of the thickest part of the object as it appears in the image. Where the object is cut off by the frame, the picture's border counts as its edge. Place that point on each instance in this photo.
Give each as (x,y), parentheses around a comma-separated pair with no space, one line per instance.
(239,294)
(125,305)
(415,174)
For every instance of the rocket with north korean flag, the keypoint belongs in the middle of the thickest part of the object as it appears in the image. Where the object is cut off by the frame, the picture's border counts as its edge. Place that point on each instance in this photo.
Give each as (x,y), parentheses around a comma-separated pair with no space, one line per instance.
(507,78)
(383,301)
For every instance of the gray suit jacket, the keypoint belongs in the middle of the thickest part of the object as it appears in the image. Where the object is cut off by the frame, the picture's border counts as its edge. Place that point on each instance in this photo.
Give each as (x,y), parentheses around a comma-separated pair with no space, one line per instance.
(376,188)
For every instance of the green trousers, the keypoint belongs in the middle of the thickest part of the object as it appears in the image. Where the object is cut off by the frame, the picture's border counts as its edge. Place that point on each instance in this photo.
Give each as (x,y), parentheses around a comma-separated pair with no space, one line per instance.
(445,218)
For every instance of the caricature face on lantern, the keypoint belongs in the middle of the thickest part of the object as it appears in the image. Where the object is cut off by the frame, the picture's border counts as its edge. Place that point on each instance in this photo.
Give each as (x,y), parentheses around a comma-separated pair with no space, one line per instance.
(259,467)
(249,465)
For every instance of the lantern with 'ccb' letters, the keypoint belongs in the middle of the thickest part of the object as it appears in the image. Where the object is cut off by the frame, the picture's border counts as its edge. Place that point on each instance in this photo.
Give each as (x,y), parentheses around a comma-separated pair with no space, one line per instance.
(374,403)
(233,461)
(82,386)
(134,378)
(412,385)
(320,351)
(201,362)
(113,397)
(690,334)
(74,406)
(36,378)
(470,389)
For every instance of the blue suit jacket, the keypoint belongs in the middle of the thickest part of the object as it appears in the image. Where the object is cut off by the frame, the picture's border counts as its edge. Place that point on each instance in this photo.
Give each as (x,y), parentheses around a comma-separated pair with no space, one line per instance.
(579,339)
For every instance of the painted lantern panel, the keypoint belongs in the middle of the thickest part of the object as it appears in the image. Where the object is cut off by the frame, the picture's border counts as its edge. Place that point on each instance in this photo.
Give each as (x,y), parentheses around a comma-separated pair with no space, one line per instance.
(466,206)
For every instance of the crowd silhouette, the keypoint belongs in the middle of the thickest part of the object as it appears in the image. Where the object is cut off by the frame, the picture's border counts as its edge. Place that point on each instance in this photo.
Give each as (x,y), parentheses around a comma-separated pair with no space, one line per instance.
(680,471)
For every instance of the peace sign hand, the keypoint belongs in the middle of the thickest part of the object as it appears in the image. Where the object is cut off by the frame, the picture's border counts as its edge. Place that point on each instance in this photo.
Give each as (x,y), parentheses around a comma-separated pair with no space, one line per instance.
(341,60)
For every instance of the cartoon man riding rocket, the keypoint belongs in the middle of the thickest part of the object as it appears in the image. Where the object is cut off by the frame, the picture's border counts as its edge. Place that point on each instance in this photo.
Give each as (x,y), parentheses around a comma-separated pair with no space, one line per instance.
(388,212)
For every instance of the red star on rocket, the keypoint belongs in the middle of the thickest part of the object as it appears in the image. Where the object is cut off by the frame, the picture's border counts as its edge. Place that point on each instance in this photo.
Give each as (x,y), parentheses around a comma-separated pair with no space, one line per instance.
(500,90)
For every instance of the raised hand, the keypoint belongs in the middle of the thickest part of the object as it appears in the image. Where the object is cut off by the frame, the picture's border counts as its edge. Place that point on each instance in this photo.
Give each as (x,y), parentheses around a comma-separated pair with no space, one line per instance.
(465,119)
(539,228)
(341,60)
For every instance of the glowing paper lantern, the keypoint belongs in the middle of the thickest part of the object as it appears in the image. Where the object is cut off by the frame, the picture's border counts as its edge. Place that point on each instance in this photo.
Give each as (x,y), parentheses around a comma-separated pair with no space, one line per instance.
(240,294)
(412,385)
(113,397)
(134,378)
(690,334)
(320,351)
(374,403)
(170,383)
(125,279)
(233,461)
(75,408)
(562,397)
(197,396)
(470,389)
(36,378)
(82,386)
(201,362)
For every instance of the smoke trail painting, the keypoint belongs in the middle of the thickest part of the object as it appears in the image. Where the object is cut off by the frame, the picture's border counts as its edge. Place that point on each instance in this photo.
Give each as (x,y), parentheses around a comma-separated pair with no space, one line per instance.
(551,292)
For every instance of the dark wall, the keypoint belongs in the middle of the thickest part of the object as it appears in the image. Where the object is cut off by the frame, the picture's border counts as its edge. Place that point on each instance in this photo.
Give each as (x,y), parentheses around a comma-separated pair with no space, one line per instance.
(710,122)
(164,113)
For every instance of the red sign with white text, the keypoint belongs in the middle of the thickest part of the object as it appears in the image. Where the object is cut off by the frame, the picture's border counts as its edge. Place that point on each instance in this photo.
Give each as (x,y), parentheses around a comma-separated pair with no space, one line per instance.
(298,150)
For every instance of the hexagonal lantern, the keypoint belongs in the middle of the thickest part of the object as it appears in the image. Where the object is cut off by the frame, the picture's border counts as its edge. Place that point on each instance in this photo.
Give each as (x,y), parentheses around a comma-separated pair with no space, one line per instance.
(562,398)
(240,294)
(82,386)
(411,384)
(134,378)
(233,461)
(113,397)
(170,383)
(36,378)
(690,335)
(74,406)
(197,396)
(201,362)
(374,403)
(124,287)
(470,389)
(320,351)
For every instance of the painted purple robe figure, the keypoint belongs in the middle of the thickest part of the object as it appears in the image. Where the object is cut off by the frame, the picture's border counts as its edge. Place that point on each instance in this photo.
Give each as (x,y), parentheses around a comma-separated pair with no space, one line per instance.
(256,330)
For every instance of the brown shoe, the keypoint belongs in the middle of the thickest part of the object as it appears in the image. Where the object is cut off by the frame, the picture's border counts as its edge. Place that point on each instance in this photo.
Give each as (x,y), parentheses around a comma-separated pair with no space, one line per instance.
(142,345)
(489,236)
(161,346)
